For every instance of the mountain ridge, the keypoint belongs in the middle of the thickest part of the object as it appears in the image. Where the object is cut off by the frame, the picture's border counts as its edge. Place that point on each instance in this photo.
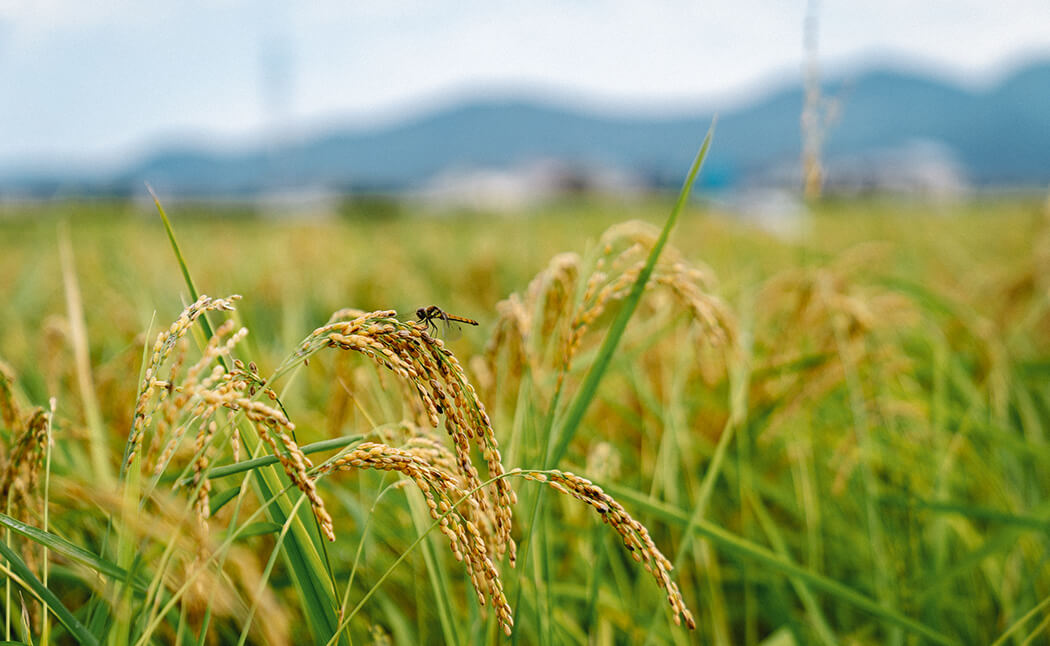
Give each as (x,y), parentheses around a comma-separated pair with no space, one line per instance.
(998,135)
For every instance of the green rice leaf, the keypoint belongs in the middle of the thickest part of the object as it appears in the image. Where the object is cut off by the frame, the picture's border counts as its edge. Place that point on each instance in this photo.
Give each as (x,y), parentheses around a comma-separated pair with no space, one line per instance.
(750,552)
(565,431)
(317,600)
(72,552)
(72,624)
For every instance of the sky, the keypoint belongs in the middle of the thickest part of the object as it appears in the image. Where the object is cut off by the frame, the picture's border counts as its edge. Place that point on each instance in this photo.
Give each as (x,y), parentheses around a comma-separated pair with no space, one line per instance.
(100,82)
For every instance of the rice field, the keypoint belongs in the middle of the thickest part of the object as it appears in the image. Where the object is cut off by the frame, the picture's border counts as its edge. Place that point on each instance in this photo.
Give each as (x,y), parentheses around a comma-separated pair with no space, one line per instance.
(835,437)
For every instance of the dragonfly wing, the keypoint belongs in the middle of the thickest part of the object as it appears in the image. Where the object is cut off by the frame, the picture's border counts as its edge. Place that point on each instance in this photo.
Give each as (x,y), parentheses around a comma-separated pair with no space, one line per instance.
(451,330)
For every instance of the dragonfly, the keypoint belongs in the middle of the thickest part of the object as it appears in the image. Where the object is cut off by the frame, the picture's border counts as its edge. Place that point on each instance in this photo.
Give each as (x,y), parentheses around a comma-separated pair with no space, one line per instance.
(433,315)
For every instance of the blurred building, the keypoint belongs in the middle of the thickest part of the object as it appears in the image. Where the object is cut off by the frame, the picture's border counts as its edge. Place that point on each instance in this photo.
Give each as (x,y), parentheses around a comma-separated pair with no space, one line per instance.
(525,185)
(920,167)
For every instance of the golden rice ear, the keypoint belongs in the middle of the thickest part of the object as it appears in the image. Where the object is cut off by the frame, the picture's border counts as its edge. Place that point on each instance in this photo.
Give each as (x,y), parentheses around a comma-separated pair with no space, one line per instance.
(634,535)
(546,327)
(9,410)
(443,492)
(21,472)
(441,385)
(162,349)
(195,399)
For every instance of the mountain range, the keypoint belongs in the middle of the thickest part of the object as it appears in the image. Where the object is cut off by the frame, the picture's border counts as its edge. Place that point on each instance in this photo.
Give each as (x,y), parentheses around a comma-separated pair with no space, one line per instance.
(998,135)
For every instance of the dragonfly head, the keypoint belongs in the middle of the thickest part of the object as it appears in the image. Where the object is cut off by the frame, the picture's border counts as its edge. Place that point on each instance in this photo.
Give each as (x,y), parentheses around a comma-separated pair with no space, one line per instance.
(421,313)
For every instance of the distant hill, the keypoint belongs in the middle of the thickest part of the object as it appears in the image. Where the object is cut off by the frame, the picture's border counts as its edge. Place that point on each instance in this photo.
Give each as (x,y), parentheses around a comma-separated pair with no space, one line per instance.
(997,136)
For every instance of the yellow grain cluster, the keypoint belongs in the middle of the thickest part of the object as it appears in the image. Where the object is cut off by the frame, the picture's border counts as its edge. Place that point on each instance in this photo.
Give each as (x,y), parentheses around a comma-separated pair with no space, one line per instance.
(22,459)
(442,493)
(164,346)
(22,466)
(436,379)
(548,326)
(195,400)
(634,535)
(831,321)
(9,410)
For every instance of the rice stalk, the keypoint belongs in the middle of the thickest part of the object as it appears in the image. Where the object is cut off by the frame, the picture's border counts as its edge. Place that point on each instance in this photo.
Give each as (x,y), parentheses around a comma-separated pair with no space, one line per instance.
(814,322)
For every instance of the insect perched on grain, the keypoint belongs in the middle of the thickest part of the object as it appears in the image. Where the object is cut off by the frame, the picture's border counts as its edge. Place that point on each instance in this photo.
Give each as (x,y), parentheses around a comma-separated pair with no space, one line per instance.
(432,315)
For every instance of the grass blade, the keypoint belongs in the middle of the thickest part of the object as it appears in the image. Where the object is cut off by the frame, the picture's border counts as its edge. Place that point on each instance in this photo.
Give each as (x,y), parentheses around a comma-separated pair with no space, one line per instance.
(750,552)
(69,550)
(28,579)
(578,407)
(178,253)
(436,574)
(255,463)
(301,551)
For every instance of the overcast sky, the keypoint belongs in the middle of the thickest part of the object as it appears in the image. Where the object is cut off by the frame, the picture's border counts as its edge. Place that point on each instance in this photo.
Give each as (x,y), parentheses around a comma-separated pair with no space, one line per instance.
(104,79)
